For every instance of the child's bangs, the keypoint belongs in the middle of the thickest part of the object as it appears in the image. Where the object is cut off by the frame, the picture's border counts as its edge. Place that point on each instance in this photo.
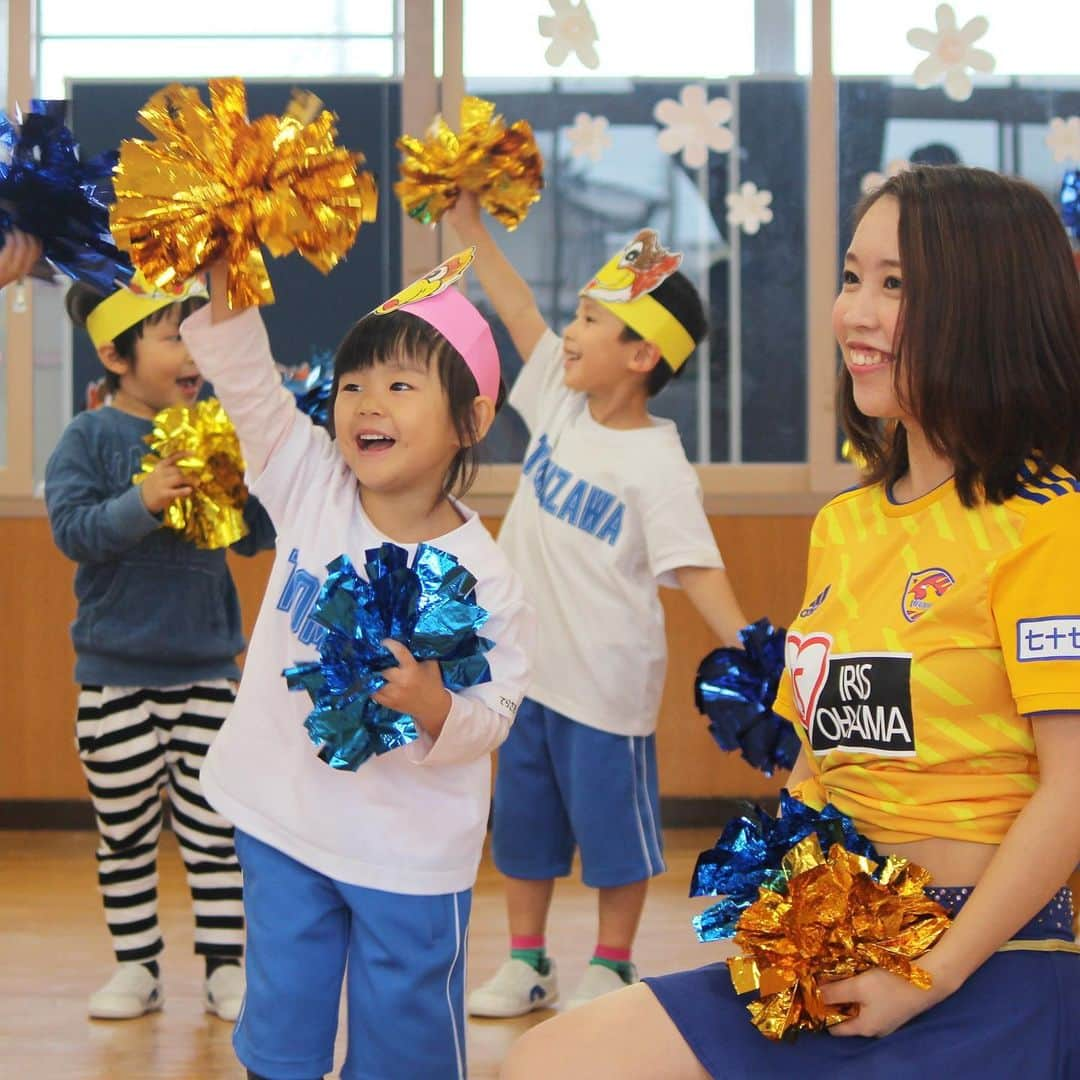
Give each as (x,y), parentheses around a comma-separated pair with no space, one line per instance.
(180,311)
(398,339)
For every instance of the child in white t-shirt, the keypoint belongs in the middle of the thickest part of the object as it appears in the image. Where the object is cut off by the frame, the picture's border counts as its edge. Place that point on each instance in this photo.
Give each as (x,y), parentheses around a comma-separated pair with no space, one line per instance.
(363,875)
(608,508)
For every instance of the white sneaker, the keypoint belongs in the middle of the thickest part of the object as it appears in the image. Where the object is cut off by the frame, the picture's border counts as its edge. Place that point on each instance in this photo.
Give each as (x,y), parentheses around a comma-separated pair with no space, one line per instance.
(515,989)
(598,980)
(223,993)
(132,991)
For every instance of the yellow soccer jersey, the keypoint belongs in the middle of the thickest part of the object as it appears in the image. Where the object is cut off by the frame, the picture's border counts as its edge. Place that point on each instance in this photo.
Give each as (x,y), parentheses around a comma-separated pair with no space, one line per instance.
(928,636)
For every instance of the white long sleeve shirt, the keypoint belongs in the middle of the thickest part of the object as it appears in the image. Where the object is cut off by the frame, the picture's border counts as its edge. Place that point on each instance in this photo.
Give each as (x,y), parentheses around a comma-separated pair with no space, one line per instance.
(411,820)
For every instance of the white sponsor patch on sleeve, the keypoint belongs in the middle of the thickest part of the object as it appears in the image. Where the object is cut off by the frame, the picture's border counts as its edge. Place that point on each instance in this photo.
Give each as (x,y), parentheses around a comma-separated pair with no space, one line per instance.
(1055,637)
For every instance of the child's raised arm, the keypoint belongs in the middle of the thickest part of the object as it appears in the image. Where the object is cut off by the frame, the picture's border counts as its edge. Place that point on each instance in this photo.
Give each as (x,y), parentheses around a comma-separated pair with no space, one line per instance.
(507,290)
(231,349)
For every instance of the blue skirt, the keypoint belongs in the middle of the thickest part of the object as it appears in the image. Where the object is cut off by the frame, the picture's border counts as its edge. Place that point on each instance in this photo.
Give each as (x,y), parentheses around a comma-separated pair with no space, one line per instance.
(1017,1016)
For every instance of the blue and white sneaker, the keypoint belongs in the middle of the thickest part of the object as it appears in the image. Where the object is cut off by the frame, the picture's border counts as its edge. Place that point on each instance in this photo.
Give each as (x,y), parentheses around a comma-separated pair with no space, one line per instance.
(514,990)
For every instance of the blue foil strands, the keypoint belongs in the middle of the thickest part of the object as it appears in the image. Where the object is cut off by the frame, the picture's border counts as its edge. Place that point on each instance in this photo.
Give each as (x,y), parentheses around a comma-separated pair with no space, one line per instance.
(49,193)
(747,857)
(1069,201)
(429,606)
(311,384)
(735,689)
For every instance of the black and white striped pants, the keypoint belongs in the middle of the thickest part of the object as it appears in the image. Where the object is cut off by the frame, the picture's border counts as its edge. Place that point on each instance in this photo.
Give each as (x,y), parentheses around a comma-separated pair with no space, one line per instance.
(133,743)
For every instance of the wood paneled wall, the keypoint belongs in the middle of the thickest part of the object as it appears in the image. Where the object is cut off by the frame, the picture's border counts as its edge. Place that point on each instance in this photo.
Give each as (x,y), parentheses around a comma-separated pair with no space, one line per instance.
(766,557)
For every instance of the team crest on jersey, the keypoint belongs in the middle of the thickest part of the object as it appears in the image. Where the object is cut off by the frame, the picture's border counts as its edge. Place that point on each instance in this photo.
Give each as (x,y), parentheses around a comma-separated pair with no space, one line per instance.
(922,589)
(856,702)
(815,603)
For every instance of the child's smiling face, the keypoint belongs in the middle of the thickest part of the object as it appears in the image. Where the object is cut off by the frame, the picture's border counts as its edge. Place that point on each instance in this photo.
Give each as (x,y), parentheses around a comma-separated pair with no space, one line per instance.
(162,372)
(393,426)
(595,354)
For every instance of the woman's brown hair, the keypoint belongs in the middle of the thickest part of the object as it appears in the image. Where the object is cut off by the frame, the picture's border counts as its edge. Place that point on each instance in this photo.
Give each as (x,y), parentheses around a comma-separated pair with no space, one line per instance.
(988,335)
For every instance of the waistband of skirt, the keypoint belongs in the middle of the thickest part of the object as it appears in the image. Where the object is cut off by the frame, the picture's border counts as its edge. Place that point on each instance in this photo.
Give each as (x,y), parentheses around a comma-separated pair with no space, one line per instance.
(1053,923)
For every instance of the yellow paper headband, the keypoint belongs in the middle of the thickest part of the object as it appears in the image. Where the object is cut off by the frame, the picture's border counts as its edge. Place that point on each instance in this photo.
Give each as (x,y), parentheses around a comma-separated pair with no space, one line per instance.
(131,305)
(623,284)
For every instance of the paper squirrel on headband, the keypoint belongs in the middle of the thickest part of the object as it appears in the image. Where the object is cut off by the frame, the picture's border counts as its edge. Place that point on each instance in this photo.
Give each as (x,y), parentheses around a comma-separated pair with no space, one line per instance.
(128,306)
(433,299)
(625,284)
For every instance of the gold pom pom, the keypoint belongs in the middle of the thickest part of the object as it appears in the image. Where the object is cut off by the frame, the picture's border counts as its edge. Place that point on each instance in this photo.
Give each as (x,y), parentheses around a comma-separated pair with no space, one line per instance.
(833,921)
(212,516)
(501,165)
(214,185)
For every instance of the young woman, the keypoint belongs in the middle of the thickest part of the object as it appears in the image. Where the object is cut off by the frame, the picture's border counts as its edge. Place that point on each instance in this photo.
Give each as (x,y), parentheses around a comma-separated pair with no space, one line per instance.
(952,585)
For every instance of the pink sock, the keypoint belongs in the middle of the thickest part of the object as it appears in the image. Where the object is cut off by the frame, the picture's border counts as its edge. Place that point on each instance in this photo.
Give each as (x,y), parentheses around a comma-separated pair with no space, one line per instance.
(527,941)
(609,952)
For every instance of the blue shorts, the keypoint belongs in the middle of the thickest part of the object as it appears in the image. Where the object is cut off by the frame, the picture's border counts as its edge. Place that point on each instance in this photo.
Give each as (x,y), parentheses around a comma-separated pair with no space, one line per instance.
(1016,1016)
(561,783)
(405,975)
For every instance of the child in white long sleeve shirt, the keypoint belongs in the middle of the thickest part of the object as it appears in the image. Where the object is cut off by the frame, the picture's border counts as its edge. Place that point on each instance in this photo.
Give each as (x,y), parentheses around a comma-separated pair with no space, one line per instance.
(373,867)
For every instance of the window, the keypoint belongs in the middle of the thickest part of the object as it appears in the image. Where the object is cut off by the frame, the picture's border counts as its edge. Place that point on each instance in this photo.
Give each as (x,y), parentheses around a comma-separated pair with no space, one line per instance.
(129,40)
(885,122)
(202,38)
(754,407)
(742,399)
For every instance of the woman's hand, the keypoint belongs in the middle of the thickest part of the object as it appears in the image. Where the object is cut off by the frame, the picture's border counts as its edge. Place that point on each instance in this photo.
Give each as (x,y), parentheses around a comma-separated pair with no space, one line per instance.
(415,687)
(885,1001)
(18,256)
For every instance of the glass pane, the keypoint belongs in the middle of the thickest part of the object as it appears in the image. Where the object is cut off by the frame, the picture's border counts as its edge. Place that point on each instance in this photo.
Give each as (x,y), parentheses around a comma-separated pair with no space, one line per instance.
(589,209)
(178,59)
(209,17)
(1038,37)
(1004,125)
(52,393)
(679,38)
(726,402)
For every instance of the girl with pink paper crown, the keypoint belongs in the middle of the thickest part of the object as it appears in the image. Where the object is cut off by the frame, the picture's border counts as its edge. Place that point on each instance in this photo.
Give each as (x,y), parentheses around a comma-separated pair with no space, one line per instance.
(363,875)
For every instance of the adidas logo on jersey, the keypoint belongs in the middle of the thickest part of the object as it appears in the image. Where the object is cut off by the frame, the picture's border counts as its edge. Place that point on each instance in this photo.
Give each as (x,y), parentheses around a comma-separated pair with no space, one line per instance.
(815,603)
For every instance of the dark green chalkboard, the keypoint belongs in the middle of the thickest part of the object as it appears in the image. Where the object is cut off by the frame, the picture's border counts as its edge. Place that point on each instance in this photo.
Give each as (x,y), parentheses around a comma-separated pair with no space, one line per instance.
(312,312)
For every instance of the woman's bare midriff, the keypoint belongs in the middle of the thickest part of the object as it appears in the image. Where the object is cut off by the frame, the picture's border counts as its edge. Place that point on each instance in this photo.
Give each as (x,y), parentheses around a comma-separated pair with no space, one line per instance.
(950,862)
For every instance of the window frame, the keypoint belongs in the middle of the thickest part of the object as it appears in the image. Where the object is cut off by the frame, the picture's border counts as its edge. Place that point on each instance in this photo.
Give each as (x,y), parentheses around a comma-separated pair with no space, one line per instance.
(746,488)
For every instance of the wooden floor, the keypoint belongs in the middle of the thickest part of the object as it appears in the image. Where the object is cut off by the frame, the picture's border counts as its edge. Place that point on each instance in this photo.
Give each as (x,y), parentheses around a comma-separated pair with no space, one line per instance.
(54,952)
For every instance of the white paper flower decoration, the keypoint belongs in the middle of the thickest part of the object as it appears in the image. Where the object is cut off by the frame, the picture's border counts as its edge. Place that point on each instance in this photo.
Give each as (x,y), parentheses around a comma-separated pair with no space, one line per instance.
(748,208)
(572,30)
(589,137)
(1063,138)
(873,180)
(951,53)
(694,125)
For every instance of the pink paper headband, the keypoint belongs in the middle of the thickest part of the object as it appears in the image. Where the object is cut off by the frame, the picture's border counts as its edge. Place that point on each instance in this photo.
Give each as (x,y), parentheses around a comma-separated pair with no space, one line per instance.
(432,299)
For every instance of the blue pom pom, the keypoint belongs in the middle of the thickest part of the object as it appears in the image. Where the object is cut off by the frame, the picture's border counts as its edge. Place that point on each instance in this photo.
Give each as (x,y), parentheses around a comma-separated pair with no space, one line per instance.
(735,689)
(429,606)
(1069,200)
(311,385)
(748,854)
(51,194)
